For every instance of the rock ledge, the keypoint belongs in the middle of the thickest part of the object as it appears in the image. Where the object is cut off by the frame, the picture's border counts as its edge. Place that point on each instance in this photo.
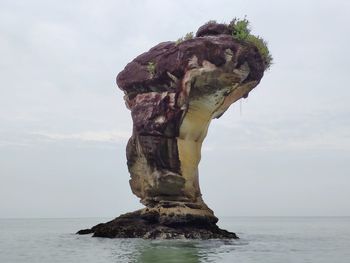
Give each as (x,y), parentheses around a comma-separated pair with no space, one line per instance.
(139,225)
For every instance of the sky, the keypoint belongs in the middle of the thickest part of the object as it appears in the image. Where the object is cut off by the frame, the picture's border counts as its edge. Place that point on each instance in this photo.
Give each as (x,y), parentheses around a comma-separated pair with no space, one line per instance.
(284,151)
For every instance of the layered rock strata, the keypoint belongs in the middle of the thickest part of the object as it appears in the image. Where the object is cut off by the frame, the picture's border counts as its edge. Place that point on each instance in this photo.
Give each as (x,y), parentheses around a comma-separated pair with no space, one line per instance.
(173,92)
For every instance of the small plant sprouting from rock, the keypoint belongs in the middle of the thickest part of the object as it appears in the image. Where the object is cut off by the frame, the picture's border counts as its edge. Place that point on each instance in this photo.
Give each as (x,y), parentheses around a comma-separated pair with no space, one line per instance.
(188,36)
(151,68)
(240,28)
(261,45)
(241,31)
(210,22)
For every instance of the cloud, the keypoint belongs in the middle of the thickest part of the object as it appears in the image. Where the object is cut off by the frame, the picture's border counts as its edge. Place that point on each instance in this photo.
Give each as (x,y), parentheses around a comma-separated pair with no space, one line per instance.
(35,139)
(88,136)
(58,67)
(317,131)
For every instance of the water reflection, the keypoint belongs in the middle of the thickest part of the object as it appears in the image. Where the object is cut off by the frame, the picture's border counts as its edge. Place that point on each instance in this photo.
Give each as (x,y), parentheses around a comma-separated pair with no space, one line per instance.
(169,251)
(154,251)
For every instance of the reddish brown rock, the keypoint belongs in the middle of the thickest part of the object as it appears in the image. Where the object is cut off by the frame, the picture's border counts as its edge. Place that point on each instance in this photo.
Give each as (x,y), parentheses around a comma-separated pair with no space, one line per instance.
(173,92)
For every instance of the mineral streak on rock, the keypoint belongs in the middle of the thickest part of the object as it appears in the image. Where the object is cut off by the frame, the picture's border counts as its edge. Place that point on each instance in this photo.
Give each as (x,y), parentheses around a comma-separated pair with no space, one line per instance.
(173,92)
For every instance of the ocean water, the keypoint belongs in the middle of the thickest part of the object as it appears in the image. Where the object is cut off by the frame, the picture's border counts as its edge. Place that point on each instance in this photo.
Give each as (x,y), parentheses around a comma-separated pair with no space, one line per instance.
(262,239)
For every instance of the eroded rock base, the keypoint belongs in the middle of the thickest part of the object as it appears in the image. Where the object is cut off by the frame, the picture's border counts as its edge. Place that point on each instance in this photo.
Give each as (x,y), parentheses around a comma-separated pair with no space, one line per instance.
(148,226)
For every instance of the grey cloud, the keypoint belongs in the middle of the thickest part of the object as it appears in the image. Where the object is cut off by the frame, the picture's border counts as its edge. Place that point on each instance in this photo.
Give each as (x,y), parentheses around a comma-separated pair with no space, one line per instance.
(64,125)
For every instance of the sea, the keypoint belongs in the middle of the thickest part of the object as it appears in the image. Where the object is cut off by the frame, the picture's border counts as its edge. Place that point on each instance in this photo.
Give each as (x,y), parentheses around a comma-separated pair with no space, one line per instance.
(262,239)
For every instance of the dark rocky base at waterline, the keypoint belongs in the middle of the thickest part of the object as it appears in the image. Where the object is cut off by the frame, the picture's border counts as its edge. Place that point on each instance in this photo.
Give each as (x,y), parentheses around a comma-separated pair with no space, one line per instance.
(134,225)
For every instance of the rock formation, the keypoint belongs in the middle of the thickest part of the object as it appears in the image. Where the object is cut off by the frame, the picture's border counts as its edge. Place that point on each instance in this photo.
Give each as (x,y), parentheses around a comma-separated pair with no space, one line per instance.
(173,92)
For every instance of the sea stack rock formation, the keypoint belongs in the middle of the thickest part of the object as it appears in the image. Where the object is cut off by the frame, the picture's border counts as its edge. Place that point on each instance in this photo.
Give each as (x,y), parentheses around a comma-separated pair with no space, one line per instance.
(173,92)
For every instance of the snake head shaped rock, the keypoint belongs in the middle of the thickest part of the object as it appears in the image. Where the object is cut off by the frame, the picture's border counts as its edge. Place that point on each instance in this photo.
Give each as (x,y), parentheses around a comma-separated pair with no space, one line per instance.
(173,92)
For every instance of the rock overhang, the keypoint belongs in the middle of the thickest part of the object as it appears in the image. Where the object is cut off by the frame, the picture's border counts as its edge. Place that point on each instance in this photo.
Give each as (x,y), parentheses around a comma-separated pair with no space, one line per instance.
(171,62)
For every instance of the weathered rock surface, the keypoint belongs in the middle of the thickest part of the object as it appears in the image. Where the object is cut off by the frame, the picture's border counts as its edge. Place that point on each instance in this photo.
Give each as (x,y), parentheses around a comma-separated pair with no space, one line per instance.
(139,225)
(173,92)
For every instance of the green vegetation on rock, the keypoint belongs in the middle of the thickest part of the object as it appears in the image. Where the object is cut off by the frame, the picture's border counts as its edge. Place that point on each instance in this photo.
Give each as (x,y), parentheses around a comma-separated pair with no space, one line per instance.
(188,36)
(151,68)
(241,31)
(210,22)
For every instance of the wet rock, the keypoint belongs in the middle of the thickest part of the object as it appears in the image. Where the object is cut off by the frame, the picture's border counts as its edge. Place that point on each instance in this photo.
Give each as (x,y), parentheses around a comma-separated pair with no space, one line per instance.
(136,225)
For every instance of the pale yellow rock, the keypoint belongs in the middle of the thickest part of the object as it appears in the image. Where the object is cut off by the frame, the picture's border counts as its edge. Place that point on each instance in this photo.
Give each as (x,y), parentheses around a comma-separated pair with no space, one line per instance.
(203,106)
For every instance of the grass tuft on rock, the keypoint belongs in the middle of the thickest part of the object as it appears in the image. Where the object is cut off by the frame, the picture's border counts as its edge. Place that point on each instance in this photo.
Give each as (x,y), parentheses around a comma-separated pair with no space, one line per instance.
(211,22)
(241,31)
(188,36)
(151,68)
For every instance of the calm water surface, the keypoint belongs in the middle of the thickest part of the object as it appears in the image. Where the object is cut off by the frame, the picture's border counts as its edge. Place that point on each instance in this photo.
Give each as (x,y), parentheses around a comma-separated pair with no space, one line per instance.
(263,239)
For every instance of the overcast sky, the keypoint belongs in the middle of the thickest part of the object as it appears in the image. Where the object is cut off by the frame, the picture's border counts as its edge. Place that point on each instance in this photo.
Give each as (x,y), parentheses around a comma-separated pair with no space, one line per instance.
(284,151)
